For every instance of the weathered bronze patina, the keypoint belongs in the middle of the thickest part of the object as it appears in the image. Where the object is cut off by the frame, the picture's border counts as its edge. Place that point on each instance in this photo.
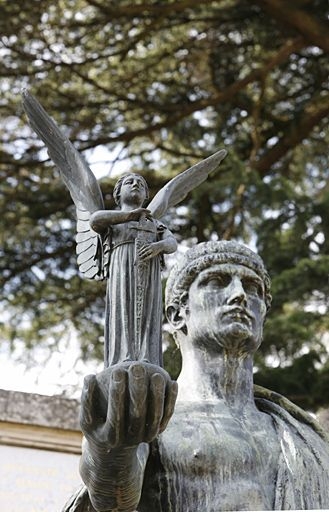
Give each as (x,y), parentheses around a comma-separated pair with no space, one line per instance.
(124,246)
(214,442)
(228,445)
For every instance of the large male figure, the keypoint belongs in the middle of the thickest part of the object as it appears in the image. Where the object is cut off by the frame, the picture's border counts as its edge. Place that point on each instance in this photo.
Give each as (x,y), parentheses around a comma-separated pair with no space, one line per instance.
(223,449)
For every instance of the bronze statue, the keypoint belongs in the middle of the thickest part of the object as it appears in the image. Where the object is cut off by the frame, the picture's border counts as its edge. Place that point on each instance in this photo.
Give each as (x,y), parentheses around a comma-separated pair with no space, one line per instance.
(228,445)
(225,444)
(136,243)
(124,246)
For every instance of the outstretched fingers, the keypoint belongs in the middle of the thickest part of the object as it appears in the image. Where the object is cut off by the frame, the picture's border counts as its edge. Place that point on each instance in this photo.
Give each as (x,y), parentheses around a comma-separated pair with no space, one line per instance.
(138,384)
(126,407)
(155,406)
(170,400)
(115,420)
(87,404)
(163,396)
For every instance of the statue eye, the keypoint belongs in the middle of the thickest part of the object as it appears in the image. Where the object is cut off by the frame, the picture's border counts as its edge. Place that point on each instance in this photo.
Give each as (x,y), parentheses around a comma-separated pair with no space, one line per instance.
(218,281)
(253,287)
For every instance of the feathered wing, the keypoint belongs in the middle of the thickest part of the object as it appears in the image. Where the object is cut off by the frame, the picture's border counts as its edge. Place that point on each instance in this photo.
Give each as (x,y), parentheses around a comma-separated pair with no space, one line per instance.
(78,178)
(178,188)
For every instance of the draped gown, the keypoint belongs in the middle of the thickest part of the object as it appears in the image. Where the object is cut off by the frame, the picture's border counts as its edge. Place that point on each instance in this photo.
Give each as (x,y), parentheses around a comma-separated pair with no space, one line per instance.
(133,314)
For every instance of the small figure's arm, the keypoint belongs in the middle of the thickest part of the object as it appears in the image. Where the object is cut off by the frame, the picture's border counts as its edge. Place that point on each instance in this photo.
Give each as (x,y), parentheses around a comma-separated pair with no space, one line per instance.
(103,219)
(122,410)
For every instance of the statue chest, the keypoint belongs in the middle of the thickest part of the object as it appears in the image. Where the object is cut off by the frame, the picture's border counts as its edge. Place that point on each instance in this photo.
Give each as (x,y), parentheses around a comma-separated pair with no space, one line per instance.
(211,461)
(146,230)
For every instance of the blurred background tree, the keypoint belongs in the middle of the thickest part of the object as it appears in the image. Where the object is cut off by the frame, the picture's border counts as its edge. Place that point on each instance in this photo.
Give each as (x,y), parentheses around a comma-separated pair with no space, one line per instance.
(155,86)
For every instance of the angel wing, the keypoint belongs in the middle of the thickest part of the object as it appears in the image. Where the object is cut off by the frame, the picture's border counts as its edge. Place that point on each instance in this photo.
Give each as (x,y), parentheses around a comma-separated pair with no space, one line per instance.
(80,181)
(178,188)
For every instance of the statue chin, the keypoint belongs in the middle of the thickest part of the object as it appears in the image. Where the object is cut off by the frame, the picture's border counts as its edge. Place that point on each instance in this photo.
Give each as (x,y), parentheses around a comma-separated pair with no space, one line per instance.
(235,336)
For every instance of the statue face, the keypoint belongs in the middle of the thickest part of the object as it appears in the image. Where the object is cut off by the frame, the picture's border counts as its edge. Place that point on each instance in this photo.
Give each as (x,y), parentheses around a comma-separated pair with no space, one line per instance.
(226,308)
(133,191)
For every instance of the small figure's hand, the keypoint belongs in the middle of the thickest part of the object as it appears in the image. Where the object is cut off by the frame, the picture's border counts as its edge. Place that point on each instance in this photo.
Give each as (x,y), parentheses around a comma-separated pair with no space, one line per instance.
(139,213)
(148,251)
(126,404)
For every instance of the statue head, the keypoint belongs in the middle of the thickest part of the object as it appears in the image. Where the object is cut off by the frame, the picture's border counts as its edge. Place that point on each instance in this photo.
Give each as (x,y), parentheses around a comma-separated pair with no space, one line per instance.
(219,292)
(124,180)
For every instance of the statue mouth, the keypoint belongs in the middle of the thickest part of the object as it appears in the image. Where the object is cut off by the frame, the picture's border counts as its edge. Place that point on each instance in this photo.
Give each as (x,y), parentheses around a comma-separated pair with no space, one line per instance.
(240,315)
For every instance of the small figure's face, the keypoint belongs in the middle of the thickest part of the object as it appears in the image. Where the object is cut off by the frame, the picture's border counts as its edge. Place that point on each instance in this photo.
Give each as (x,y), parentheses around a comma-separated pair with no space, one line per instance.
(226,309)
(133,192)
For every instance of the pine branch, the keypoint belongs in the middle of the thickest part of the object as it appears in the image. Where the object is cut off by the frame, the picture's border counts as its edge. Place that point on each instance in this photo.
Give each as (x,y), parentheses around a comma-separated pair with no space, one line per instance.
(312,29)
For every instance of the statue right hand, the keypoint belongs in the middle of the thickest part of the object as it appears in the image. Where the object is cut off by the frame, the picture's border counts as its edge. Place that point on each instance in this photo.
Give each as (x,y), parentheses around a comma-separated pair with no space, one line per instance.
(126,404)
(139,213)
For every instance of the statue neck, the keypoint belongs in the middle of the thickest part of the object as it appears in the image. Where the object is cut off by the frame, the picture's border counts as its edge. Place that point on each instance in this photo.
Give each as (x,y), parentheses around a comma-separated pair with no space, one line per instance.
(226,377)
(131,205)
(128,207)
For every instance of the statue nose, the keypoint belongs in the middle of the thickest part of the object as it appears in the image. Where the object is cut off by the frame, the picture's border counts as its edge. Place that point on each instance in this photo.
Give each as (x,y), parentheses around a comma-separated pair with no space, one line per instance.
(237,294)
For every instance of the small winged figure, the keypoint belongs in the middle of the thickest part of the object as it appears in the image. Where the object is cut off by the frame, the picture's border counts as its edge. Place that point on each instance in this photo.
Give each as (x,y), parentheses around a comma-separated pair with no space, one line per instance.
(124,246)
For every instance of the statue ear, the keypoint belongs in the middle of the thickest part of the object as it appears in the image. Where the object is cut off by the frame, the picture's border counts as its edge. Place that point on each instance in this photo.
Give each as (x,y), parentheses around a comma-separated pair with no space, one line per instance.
(176,316)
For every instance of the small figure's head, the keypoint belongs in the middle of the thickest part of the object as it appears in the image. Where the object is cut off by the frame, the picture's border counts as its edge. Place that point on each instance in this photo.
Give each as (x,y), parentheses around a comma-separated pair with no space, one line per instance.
(131,189)
(217,297)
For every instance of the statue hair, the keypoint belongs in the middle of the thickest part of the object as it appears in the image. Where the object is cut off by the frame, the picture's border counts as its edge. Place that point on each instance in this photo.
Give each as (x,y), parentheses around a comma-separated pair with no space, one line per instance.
(205,255)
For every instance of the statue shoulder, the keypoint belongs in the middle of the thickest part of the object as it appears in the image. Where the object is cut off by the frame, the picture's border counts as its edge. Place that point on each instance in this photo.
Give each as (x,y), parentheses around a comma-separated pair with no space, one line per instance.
(273,403)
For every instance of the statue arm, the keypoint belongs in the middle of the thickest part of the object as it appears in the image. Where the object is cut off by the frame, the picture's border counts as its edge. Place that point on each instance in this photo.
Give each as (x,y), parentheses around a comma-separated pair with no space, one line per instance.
(102,219)
(122,410)
(114,478)
(167,241)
